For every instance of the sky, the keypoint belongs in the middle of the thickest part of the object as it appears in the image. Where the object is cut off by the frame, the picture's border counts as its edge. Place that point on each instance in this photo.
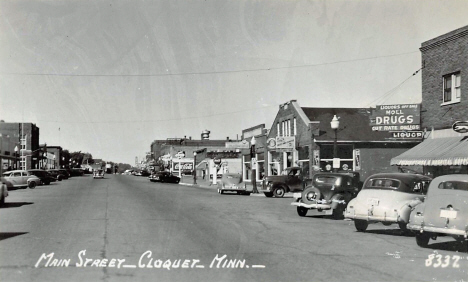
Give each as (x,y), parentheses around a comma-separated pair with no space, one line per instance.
(109,77)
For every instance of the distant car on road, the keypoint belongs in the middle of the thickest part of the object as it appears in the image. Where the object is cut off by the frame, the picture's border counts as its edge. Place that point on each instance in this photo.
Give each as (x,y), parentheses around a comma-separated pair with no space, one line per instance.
(58,174)
(21,178)
(387,198)
(164,176)
(231,182)
(43,175)
(98,173)
(329,192)
(290,180)
(444,211)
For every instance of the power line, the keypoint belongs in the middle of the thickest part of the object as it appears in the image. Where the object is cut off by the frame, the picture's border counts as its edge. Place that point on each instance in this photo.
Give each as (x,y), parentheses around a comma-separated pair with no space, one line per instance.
(209,72)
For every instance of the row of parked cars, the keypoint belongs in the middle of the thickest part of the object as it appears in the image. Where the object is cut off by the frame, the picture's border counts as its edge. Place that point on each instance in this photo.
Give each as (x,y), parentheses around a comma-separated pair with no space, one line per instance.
(32,178)
(417,203)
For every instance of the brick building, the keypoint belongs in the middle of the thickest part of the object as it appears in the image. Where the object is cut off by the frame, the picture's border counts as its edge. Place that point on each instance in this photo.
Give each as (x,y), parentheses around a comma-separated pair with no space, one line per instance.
(444,108)
(23,136)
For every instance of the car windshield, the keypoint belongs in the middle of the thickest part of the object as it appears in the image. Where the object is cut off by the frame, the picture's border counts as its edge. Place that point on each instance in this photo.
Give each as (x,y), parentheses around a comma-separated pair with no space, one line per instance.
(454,185)
(382,183)
(326,180)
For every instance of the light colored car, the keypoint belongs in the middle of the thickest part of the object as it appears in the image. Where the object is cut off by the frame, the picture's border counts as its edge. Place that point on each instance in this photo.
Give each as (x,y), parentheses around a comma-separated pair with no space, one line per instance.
(21,178)
(4,193)
(231,182)
(98,173)
(387,198)
(444,211)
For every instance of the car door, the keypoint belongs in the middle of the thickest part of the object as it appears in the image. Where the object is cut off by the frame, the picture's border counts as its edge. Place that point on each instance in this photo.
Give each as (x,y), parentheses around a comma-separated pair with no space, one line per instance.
(294,180)
(16,178)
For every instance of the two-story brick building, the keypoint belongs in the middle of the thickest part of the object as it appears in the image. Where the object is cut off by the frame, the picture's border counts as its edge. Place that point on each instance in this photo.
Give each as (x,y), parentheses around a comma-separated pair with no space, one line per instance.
(25,138)
(444,108)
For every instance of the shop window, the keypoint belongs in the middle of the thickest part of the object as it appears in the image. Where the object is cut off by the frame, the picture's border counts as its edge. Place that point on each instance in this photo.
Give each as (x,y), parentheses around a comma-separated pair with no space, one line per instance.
(452,90)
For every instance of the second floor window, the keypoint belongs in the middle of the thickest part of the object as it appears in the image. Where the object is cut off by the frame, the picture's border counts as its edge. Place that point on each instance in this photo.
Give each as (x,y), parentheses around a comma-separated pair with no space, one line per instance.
(452,91)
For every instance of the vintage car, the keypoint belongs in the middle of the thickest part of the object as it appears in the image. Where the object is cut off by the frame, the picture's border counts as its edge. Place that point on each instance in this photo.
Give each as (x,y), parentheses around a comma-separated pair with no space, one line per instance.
(20,178)
(231,182)
(164,176)
(444,211)
(43,175)
(4,192)
(387,198)
(290,180)
(328,192)
(98,173)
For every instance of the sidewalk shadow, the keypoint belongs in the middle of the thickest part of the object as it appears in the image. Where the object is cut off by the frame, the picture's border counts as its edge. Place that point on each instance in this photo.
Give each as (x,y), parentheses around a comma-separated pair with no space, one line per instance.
(6,235)
(14,204)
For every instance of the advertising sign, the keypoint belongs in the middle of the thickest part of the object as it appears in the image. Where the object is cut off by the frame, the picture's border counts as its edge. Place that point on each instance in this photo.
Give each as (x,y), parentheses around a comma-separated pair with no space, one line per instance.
(400,117)
(357,159)
(285,142)
(184,165)
(238,145)
(407,135)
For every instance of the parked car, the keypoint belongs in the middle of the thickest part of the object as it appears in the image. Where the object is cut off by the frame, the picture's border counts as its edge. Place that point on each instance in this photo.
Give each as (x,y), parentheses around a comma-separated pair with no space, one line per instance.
(164,176)
(387,198)
(290,180)
(98,173)
(444,211)
(329,192)
(4,192)
(65,172)
(145,173)
(231,182)
(58,174)
(43,175)
(21,178)
(77,172)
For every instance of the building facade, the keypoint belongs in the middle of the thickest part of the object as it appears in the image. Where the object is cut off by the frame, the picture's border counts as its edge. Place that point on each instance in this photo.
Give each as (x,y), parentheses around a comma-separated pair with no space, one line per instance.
(25,138)
(444,108)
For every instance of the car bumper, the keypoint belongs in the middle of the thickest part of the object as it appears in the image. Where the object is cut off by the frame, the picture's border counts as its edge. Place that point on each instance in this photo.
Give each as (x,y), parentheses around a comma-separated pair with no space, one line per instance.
(312,206)
(367,217)
(442,230)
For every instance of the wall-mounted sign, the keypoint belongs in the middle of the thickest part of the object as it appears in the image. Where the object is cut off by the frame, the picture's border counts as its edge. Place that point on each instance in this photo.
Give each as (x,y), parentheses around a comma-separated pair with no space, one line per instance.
(271,143)
(460,126)
(357,159)
(400,117)
(286,142)
(407,134)
(238,145)
(184,165)
(180,154)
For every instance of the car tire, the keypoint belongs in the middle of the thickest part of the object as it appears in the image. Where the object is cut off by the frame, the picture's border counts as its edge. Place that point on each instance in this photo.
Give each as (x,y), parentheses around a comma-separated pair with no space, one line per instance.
(247,193)
(2,201)
(301,211)
(309,200)
(402,226)
(59,178)
(279,192)
(338,212)
(422,239)
(387,223)
(177,181)
(361,225)
(221,191)
(32,184)
(268,194)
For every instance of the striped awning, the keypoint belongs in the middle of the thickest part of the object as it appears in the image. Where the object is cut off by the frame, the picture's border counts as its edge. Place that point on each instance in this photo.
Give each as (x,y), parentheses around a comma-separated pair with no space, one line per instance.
(436,152)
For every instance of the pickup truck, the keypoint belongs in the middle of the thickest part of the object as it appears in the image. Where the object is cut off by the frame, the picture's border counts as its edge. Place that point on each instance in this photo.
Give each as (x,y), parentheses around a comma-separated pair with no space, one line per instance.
(290,180)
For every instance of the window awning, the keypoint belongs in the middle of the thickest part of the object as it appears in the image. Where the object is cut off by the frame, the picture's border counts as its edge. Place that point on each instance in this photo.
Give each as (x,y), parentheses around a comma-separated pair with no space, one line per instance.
(436,152)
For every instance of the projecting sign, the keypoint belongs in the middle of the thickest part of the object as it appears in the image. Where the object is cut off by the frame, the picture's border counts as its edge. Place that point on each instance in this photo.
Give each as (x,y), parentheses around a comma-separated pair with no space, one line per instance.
(407,134)
(402,117)
(460,126)
(285,142)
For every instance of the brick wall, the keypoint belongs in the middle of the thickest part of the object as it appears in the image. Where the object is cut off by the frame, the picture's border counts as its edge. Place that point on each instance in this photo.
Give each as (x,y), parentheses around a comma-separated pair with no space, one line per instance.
(441,56)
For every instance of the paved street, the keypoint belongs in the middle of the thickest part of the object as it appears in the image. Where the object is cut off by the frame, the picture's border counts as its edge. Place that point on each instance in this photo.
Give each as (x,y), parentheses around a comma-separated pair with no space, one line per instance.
(125,228)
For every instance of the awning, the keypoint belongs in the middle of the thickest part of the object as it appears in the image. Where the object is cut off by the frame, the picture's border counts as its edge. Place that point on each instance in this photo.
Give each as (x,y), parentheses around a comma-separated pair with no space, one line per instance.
(436,152)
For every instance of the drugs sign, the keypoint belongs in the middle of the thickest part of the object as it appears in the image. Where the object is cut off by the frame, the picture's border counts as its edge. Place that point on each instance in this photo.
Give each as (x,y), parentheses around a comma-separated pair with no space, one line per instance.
(401,117)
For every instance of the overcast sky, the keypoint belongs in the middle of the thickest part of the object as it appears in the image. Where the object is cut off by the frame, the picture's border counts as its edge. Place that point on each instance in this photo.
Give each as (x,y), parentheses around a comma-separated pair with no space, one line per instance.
(116,75)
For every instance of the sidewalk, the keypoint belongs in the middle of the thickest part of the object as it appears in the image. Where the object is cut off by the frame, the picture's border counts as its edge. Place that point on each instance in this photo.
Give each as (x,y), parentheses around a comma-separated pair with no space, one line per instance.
(208,184)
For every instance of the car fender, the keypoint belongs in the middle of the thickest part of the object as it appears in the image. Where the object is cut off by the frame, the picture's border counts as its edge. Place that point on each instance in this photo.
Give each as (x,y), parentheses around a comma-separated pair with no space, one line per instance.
(351,204)
(275,185)
(338,199)
(417,215)
(406,208)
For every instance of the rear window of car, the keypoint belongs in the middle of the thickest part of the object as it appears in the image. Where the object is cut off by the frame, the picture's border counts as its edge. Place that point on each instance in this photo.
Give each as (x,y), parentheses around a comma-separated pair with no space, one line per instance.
(382,183)
(324,180)
(454,185)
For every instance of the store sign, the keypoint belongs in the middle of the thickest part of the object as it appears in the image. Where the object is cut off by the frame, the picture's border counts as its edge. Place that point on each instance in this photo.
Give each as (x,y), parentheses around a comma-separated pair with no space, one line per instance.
(407,134)
(285,142)
(357,159)
(238,145)
(401,117)
(180,154)
(184,165)
(460,126)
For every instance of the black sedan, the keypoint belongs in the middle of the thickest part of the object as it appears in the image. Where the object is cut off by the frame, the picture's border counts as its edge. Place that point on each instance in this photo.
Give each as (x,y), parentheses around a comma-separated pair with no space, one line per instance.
(164,176)
(43,175)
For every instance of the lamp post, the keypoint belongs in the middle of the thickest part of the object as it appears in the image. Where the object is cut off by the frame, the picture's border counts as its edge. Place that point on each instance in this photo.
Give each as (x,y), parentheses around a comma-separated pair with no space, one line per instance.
(16,156)
(253,164)
(335,124)
(194,167)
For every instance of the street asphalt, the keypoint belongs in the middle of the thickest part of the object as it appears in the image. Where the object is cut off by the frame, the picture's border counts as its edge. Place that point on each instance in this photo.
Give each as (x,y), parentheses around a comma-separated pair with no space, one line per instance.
(126,228)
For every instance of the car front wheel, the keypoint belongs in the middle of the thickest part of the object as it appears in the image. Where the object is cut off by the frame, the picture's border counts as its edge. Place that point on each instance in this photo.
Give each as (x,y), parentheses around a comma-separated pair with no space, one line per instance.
(361,225)
(422,239)
(32,185)
(279,192)
(268,194)
(301,211)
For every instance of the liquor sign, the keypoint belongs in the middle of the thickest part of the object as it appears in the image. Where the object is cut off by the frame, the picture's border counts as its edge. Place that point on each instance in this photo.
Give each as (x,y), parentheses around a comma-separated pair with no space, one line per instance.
(401,117)
(407,135)
(286,143)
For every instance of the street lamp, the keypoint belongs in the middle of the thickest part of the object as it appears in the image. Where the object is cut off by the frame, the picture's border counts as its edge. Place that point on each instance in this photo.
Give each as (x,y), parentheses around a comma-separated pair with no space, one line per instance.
(16,156)
(335,124)
(194,167)
(254,164)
